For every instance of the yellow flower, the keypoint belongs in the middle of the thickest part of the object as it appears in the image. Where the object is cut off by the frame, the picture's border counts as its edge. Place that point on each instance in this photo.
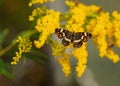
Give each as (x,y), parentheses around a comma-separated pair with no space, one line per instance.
(70,3)
(104,32)
(116,26)
(112,56)
(42,39)
(38,2)
(91,25)
(64,60)
(46,26)
(80,69)
(24,46)
(104,27)
(36,13)
(57,49)
(75,23)
(99,33)
(77,19)
(81,55)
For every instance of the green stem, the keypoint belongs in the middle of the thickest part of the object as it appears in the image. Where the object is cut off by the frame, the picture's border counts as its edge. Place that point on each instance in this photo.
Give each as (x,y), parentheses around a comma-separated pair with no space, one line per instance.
(2,52)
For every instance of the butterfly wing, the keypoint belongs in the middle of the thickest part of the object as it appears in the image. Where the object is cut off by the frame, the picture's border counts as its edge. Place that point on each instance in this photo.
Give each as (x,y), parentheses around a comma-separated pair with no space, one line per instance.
(77,39)
(65,42)
(80,37)
(86,36)
(59,32)
(65,35)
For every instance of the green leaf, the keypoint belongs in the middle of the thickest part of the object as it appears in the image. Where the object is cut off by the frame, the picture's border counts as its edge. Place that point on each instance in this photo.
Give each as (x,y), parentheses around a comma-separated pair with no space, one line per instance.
(3,34)
(8,75)
(4,70)
(26,55)
(1,66)
(37,52)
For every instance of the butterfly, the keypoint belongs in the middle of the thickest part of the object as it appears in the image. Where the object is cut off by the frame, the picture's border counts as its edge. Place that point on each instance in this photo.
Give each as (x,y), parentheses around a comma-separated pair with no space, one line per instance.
(77,38)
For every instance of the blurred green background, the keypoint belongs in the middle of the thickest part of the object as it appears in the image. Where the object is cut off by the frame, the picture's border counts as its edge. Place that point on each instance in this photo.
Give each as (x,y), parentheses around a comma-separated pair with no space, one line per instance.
(101,72)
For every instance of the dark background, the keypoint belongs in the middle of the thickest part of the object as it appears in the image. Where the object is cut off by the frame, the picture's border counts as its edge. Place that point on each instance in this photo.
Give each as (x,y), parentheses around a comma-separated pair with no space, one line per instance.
(101,72)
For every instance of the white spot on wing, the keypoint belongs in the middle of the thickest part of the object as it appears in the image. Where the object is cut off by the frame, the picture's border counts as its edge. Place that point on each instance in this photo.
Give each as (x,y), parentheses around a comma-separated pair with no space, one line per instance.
(85,34)
(82,37)
(77,40)
(63,34)
(67,39)
(61,30)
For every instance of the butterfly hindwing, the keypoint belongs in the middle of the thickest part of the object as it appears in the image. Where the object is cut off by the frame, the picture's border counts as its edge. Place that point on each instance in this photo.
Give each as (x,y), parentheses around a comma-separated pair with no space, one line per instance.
(77,44)
(78,39)
(65,42)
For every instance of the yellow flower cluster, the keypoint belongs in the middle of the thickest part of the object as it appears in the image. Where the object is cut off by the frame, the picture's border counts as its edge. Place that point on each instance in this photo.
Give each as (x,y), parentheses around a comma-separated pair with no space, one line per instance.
(105,29)
(79,14)
(112,56)
(75,23)
(70,3)
(64,60)
(23,46)
(46,26)
(39,2)
(57,49)
(35,13)
(116,27)
(81,55)
(99,33)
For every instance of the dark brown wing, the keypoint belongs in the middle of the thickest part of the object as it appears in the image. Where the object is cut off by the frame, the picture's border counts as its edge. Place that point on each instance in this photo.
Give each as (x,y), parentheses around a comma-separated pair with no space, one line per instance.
(87,36)
(65,35)
(65,42)
(59,32)
(79,38)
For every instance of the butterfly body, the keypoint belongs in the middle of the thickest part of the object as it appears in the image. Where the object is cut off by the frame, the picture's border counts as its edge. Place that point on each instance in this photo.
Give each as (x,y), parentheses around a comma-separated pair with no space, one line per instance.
(71,37)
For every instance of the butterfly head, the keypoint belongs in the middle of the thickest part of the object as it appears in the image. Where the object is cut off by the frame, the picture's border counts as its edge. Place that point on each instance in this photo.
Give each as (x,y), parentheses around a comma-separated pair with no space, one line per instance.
(89,35)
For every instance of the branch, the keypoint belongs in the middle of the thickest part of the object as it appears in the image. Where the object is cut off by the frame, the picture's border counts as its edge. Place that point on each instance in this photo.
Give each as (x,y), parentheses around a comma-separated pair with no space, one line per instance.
(76,2)
(2,52)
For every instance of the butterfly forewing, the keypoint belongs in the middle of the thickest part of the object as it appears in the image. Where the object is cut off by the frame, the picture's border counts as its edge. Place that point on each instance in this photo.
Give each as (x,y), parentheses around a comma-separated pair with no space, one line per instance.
(59,33)
(68,36)
(65,42)
(87,36)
